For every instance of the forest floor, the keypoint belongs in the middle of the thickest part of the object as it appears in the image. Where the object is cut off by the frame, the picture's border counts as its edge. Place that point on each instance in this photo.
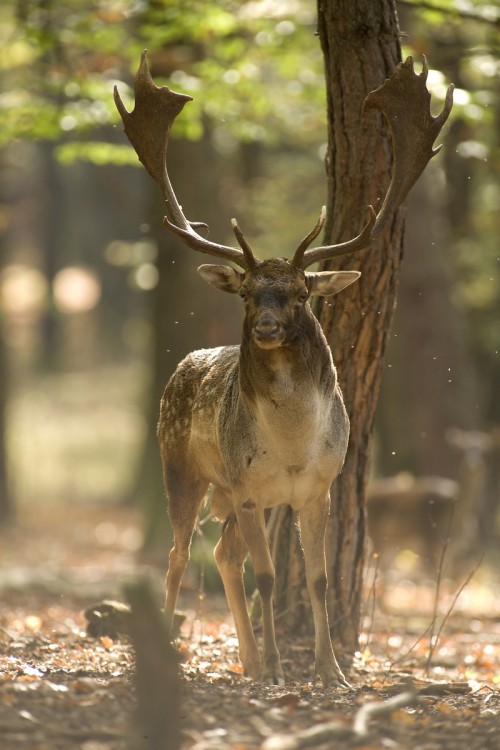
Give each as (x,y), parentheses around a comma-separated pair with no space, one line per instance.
(61,689)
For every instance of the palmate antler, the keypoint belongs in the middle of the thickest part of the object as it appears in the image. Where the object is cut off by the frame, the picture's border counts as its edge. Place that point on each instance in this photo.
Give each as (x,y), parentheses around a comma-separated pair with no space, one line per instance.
(405,102)
(403,99)
(147,127)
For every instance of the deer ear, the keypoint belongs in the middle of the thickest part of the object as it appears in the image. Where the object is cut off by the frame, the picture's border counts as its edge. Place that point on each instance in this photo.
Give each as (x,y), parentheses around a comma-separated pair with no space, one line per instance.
(221,277)
(328,283)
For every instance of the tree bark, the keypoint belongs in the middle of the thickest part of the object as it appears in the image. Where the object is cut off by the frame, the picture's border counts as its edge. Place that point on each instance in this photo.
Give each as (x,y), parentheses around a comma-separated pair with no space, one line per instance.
(360,42)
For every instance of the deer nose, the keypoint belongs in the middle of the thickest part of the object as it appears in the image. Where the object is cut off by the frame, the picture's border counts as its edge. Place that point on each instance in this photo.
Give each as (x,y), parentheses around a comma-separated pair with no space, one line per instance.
(267,331)
(266,326)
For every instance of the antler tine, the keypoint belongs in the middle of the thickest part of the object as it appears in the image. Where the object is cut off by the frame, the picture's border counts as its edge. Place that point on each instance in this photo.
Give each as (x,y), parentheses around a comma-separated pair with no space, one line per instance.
(247,250)
(147,127)
(299,253)
(327,252)
(405,102)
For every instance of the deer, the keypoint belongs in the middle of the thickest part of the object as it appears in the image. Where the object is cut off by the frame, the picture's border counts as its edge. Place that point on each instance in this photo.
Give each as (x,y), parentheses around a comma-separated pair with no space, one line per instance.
(425,513)
(264,423)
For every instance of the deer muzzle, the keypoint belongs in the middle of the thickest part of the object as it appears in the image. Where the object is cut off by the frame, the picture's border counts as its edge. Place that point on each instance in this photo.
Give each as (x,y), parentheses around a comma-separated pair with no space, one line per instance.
(268,332)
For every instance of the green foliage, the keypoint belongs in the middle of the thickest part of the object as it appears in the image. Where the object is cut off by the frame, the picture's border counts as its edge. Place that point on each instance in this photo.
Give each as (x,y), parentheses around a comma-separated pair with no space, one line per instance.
(252,62)
(96,152)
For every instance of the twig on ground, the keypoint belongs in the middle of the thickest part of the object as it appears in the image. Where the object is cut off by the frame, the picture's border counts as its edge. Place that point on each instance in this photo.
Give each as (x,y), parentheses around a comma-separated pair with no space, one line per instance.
(414,645)
(54,733)
(337,730)
(7,634)
(472,573)
(439,578)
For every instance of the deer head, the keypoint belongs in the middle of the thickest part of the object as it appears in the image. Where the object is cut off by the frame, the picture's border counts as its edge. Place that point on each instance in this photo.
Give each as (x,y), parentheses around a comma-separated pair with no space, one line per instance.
(275,294)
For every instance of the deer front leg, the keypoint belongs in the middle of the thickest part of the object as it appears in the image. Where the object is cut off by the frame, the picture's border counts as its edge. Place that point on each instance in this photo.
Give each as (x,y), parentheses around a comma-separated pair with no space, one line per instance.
(230,554)
(252,523)
(312,521)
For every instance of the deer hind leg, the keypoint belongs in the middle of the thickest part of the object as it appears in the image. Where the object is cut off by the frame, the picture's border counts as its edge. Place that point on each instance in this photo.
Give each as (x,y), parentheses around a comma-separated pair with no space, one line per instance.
(185,496)
(252,523)
(313,520)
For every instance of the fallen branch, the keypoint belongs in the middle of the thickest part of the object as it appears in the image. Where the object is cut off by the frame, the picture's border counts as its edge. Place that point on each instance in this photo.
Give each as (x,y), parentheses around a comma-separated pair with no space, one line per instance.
(334,730)
(112,618)
(374,710)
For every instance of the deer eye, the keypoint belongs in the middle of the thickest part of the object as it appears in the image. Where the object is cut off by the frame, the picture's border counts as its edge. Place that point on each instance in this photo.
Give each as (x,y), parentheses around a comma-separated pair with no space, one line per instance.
(244,296)
(303,297)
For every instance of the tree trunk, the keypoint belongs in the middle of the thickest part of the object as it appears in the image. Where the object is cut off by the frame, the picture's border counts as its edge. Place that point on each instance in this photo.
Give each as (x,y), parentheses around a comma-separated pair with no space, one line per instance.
(360,43)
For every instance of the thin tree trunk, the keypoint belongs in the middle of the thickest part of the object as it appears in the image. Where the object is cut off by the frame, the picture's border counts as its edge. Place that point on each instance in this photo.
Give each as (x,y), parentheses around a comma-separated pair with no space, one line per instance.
(6,506)
(156,720)
(6,500)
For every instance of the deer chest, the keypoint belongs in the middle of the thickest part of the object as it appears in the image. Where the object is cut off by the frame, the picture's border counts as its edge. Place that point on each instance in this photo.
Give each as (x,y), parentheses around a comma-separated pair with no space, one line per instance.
(296,451)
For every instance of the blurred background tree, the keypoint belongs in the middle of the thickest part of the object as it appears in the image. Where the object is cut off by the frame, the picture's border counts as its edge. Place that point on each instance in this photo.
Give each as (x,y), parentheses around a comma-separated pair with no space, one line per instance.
(98,302)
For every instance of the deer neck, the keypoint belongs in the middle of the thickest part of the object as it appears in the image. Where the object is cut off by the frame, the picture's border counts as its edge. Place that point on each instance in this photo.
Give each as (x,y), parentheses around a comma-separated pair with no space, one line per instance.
(302,366)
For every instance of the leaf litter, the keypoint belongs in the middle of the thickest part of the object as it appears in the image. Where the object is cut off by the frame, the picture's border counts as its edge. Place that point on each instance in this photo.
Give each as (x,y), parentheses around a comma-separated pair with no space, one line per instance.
(61,689)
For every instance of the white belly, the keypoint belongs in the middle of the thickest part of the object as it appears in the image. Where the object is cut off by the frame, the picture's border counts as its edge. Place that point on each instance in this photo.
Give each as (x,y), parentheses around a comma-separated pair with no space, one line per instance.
(268,486)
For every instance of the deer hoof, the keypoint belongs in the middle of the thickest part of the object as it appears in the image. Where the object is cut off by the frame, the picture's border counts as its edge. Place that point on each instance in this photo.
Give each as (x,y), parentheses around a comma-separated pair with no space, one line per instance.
(273,675)
(336,681)
(333,677)
(273,679)
(252,668)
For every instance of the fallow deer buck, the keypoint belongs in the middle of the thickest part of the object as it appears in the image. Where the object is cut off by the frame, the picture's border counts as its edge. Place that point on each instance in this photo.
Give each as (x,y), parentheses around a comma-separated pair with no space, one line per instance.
(264,423)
